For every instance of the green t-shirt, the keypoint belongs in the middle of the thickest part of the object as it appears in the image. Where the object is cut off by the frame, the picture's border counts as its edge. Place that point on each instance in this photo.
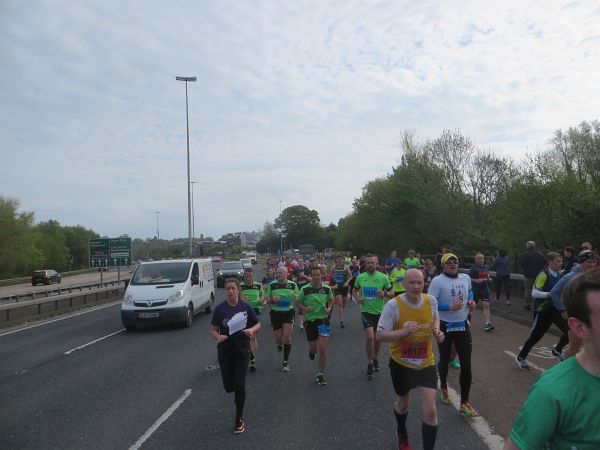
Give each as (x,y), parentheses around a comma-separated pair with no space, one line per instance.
(397,278)
(253,294)
(561,411)
(412,263)
(286,291)
(317,299)
(369,285)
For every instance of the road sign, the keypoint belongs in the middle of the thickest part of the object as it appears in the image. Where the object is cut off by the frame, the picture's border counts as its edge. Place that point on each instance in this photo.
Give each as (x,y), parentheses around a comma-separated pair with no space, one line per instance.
(110,252)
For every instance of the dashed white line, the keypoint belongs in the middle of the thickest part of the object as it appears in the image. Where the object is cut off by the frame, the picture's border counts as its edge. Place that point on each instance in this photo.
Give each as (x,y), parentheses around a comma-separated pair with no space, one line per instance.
(479,424)
(160,420)
(93,342)
(535,366)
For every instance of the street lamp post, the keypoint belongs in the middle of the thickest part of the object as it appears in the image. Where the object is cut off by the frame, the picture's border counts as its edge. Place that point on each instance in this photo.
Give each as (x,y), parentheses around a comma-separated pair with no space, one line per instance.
(193,211)
(187,128)
(157,228)
(280,232)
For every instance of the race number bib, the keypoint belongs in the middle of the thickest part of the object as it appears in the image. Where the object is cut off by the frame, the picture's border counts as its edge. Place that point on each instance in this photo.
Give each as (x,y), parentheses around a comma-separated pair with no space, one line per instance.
(369,293)
(283,302)
(414,353)
(324,330)
(455,326)
(338,277)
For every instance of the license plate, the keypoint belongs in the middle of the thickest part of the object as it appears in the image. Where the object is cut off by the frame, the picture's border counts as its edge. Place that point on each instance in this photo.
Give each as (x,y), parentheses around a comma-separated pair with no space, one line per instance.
(150,315)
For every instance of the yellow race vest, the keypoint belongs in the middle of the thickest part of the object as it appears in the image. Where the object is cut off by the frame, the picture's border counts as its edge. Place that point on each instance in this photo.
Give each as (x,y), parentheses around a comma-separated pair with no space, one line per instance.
(414,351)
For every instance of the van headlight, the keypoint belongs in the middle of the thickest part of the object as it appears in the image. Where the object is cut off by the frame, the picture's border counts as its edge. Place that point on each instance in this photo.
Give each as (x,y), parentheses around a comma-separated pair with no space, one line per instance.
(128,299)
(175,296)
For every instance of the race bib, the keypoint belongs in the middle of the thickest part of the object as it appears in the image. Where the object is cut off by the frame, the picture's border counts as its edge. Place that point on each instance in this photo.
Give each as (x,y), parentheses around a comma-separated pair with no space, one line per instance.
(414,353)
(399,279)
(369,293)
(455,326)
(283,302)
(339,278)
(324,330)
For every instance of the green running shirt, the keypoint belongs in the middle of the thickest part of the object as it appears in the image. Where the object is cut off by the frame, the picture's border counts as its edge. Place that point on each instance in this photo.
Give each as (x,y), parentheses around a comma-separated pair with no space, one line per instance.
(317,299)
(369,285)
(285,291)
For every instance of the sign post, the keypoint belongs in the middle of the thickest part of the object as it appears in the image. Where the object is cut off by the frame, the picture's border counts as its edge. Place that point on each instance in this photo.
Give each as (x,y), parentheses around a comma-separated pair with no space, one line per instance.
(113,252)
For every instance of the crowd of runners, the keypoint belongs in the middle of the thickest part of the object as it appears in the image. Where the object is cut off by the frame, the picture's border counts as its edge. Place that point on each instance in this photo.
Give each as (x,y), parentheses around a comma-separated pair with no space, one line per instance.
(411,302)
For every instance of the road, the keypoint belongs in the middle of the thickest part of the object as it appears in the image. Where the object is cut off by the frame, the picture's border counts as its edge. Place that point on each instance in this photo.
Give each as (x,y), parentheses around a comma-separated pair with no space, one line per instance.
(83,382)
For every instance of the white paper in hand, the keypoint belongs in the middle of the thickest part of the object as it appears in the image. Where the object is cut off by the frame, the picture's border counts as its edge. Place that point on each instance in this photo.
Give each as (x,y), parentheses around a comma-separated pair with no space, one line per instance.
(237,322)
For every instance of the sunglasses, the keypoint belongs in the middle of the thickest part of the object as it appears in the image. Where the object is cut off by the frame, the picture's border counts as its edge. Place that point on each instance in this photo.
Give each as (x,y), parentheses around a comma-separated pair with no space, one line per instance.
(452,261)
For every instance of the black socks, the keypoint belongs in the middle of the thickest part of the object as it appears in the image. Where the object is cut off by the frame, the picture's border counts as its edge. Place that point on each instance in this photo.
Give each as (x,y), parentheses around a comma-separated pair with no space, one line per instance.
(287,348)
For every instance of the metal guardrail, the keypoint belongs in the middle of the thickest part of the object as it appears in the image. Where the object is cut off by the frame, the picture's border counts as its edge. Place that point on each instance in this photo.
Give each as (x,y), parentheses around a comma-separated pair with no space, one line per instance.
(8,307)
(55,291)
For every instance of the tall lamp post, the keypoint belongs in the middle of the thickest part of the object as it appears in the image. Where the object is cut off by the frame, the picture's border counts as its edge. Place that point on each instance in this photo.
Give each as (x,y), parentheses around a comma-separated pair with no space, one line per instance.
(157,228)
(187,127)
(193,211)
(280,232)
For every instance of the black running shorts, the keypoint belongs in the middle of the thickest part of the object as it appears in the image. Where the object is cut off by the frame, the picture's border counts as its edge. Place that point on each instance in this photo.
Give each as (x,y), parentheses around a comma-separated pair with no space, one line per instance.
(405,379)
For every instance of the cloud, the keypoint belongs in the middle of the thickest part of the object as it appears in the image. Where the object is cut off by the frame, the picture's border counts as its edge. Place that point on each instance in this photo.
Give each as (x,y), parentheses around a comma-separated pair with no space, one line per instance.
(301,102)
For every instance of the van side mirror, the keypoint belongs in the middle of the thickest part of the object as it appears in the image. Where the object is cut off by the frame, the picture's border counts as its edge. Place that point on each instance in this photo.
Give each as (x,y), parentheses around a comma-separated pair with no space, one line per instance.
(195,280)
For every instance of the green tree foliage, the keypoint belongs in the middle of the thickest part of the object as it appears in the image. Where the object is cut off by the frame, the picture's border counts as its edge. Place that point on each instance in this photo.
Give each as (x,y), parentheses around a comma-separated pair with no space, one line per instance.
(18,254)
(270,239)
(299,225)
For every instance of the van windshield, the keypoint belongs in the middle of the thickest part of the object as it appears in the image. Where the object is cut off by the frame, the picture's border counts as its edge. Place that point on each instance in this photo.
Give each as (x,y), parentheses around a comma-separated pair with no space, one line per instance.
(161,273)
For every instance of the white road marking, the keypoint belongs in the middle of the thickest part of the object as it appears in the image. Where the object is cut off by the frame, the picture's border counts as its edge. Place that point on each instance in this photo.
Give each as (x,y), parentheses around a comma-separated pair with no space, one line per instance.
(479,424)
(93,342)
(535,366)
(61,318)
(160,420)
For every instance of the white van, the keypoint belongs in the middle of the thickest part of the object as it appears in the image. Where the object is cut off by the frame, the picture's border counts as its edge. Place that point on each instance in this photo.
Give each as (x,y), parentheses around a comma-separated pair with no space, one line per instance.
(168,291)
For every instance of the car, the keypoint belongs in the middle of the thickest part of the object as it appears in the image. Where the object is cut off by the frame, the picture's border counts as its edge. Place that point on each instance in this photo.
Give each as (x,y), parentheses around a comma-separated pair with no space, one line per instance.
(252,257)
(230,269)
(217,259)
(45,276)
(246,263)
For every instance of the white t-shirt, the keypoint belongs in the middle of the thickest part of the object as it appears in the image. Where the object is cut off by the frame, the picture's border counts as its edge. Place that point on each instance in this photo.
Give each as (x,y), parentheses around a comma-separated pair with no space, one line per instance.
(446,289)
(391,314)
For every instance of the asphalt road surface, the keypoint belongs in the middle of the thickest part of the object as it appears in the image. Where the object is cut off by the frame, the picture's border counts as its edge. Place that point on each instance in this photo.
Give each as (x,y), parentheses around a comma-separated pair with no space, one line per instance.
(82,382)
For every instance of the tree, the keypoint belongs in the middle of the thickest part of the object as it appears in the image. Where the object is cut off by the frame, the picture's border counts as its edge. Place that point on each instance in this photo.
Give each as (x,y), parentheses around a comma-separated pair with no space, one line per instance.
(299,225)
(270,239)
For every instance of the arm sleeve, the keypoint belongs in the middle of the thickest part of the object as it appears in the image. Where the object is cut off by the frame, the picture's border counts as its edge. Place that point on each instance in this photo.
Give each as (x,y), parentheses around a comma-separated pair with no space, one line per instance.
(216,319)
(434,307)
(387,319)
(536,293)
(557,293)
(532,430)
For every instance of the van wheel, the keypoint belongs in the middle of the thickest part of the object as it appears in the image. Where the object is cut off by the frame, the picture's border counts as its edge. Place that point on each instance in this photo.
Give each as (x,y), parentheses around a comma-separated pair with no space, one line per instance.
(189,316)
(211,305)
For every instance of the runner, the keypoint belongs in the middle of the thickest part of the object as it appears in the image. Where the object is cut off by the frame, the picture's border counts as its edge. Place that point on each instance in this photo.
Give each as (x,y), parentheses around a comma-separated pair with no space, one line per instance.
(281,294)
(480,279)
(561,411)
(355,270)
(390,263)
(373,288)
(302,277)
(316,300)
(451,289)
(233,325)
(545,314)
(253,294)
(412,262)
(397,278)
(429,273)
(587,261)
(269,276)
(408,323)
(341,275)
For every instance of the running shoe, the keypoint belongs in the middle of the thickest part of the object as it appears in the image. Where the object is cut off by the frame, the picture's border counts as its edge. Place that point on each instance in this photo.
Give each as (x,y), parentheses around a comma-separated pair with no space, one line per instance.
(321,381)
(455,364)
(311,356)
(488,326)
(522,363)
(252,365)
(285,366)
(370,372)
(557,353)
(301,326)
(403,442)
(376,365)
(342,324)
(280,347)
(467,410)
(239,427)
(444,396)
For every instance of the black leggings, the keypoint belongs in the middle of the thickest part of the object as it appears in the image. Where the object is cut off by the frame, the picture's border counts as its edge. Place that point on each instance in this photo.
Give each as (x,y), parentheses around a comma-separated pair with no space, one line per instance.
(503,280)
(233,362)
(462,341)
(541,324)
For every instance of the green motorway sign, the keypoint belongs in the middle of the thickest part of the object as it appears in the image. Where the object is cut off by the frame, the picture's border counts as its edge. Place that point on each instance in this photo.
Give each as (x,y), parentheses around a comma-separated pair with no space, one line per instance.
(110,252)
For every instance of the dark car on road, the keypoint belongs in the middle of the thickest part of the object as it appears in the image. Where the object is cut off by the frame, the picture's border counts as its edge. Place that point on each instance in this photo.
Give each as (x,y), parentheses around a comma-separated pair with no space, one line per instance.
(46,276)
(229,269)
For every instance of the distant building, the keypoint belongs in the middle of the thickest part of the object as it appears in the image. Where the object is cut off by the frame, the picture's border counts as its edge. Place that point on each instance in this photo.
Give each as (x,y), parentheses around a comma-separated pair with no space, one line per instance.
(306,249)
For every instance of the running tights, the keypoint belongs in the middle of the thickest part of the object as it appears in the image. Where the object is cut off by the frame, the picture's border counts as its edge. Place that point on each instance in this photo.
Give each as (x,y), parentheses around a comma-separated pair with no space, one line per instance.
(541,324)
(462,341)
(234,365)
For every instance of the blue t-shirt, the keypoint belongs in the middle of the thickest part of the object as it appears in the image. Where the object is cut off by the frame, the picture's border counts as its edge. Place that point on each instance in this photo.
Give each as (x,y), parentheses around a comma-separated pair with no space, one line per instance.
(391,262)
(224,313)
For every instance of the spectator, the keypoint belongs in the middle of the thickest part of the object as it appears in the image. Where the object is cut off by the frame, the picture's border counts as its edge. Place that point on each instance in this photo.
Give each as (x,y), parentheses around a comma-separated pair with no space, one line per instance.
(502,268)
(438,258)
(532,262)
(429,272)
(569,259)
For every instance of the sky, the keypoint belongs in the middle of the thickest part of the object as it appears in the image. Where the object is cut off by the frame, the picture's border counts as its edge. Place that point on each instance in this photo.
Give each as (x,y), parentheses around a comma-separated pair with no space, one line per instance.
(299,102)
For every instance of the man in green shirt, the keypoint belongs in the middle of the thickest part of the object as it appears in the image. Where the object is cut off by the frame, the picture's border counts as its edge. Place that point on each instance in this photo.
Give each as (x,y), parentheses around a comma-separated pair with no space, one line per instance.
(561,411)
(252,293)
(397,278)
(315,300)
(412,262)
(281,294)
(372,289)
